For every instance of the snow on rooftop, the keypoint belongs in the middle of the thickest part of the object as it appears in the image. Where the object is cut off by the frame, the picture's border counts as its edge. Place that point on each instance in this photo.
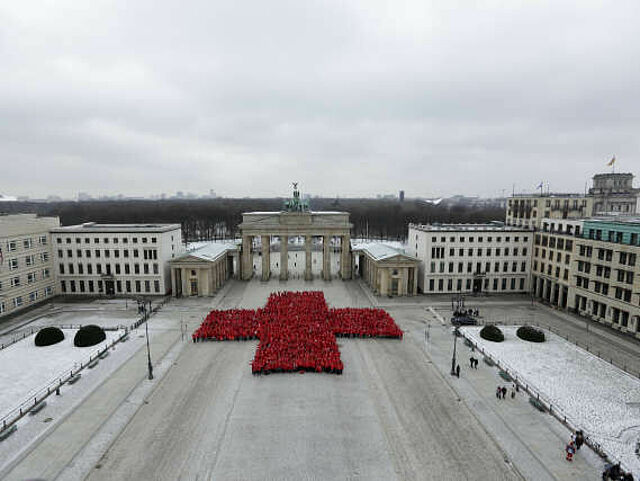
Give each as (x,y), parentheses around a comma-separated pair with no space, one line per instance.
(379,250)
(208,250)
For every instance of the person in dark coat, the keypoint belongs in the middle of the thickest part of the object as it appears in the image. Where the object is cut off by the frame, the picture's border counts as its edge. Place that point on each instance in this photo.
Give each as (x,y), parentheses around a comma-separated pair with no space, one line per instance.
(504,392)
(458,370)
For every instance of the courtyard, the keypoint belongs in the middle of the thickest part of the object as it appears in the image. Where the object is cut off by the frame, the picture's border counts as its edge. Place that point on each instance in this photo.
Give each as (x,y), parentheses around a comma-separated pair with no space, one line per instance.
(394,413)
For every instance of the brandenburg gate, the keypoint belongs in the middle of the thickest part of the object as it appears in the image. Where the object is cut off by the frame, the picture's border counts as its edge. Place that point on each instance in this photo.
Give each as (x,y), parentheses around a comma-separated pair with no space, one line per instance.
(295,220)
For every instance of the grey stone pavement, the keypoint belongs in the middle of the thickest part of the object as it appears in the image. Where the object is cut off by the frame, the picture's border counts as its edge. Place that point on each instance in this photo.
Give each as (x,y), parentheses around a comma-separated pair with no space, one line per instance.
(395,413)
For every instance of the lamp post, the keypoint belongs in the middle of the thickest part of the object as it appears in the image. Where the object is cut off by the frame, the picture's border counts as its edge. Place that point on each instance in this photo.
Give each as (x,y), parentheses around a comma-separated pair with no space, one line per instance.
(453,359)
(142,307)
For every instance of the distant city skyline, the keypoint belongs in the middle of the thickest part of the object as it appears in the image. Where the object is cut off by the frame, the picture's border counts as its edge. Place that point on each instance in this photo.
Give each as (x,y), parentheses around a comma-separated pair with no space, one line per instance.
(350,99)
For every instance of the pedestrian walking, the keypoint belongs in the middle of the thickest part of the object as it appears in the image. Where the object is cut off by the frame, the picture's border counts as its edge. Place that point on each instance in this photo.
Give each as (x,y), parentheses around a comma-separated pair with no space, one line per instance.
(504,392)
(579,439)
(498,392)
(458,370)
(570,450)
(471,362)
(513,391)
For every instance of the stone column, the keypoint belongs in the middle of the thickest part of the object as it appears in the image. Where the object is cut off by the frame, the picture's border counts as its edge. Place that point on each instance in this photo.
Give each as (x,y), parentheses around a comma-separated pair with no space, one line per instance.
(326,257)
(174,291)
(186,288)
(345,257)
(247,261)
(415,281)
(266,257)
(308,240)
(284,257)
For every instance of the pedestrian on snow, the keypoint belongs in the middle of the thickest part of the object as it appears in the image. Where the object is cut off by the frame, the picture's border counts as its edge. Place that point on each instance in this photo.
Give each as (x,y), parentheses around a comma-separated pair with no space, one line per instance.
(458,370)
(471,362)
(570,449)
(579,439)
(504,392)
(498,392)
(513,391)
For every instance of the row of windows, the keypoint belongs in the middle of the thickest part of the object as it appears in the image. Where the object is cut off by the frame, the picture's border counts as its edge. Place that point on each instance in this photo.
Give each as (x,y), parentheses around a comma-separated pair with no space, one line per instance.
(543,255)
(612,236)
(101,287)
(439,285)
(438,252)
(478,267)
(147,254)
(16,281)
(480,239)
(108,269)
(106,240)
(566,203)
(553,242)
(27,243)
(598,287)
(599,309)
(29,261)
(549,271)
(20,301)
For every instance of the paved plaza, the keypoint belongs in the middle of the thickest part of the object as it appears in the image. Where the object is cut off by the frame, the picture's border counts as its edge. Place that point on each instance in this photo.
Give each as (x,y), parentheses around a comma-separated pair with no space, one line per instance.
(395,412)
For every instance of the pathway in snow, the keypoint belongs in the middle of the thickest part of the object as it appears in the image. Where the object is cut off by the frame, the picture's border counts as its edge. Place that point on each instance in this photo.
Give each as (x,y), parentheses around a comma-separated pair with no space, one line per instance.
(596,396)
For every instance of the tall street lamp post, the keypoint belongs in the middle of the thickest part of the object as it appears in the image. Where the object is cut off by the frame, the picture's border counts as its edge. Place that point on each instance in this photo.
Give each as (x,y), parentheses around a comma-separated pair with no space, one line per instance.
(453,359)
(142,307)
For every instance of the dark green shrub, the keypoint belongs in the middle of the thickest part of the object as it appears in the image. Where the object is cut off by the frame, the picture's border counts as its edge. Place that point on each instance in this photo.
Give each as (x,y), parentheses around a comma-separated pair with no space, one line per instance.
(530,334)
(89,336)
(492,333)
(49,336)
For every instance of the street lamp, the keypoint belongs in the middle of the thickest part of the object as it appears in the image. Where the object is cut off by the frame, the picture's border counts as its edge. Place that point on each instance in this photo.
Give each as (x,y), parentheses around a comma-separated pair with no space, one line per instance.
(142,307)
(455,343)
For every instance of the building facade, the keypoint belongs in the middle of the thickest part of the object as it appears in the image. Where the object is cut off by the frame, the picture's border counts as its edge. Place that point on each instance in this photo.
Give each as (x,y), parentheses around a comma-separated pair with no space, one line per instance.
(203,271)
(26,261)
(607,273)
(614,193)
(386,270)
(552,263)
(528,210)
(464,258)
(115,259)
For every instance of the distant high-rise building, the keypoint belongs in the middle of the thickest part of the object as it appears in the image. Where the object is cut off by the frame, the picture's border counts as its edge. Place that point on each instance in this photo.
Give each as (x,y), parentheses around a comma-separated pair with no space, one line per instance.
(401,196)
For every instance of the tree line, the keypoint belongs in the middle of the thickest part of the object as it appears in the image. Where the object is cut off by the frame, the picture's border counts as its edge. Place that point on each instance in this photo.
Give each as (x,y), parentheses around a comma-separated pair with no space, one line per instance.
(213,219)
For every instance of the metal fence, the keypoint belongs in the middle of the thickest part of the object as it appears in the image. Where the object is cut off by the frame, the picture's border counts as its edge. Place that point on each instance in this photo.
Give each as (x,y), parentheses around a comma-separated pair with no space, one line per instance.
(36,397)
(562,416)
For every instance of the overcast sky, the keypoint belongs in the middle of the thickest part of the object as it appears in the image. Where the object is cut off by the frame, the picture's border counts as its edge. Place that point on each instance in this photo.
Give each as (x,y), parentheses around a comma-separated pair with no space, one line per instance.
(348,98)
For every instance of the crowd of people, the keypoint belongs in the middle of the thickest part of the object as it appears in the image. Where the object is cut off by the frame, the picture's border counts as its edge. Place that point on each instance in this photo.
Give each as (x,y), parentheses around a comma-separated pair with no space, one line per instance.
(351,322)
(297,331)
(229,325)
(295,335)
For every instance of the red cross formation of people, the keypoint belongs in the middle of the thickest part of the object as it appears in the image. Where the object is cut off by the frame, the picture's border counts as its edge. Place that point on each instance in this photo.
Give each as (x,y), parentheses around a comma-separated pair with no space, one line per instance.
(297,331)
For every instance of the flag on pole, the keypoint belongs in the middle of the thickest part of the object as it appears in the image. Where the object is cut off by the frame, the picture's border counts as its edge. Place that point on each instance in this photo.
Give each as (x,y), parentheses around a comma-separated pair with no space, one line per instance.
(539,186)
(612,161)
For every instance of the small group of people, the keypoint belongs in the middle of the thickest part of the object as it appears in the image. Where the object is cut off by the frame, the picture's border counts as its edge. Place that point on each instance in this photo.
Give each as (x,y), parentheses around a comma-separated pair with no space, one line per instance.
(466,313)
(473,363)
(501,391)
(574,444)
(613,472)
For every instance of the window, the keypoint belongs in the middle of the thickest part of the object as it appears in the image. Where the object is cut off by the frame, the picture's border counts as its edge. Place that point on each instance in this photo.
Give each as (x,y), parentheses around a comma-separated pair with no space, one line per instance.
(13,264)
(17,301)
(97,252)
(127,269)
(70,265)
(46,273)
(63,286)
(98,268)
(69,253)
(27,243)
(81,286)
(30,260)
(90,285)
(117,268)
(15,281)
(48,291)
(42,240)
(78,253)
(136,268)
(154,240)
(59,240)
(80,269)
(138,284)
(44,256)
(31,277)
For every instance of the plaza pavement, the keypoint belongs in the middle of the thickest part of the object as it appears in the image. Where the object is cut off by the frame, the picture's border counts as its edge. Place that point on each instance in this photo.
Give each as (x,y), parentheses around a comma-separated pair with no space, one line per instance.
(395,413)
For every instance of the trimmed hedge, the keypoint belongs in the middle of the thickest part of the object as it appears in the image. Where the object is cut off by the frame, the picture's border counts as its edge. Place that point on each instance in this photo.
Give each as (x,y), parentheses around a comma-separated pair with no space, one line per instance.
(49,336)
(492,333)
(89,335)
(531,334)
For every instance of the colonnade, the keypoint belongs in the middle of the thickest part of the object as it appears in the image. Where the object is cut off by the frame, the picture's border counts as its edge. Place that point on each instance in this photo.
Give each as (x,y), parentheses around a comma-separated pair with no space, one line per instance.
(265,240)
(551,291)
(192,279)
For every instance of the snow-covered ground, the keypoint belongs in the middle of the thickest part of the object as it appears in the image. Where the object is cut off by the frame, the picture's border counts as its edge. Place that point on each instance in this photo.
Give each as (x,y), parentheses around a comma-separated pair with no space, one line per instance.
(26,368)
(599,398)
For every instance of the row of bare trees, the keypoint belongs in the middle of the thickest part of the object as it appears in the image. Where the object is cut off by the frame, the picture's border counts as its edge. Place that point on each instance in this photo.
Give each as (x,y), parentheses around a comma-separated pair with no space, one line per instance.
(212,219)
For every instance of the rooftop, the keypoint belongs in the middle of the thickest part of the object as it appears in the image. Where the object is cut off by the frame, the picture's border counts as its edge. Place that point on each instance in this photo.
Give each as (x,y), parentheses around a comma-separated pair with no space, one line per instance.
(210,251)
(491,227)
(379,250)
(550,194)
(91,227)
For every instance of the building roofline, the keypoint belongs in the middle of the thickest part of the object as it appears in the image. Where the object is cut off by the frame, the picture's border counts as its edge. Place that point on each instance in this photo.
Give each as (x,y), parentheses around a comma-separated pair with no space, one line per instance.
(92,227)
